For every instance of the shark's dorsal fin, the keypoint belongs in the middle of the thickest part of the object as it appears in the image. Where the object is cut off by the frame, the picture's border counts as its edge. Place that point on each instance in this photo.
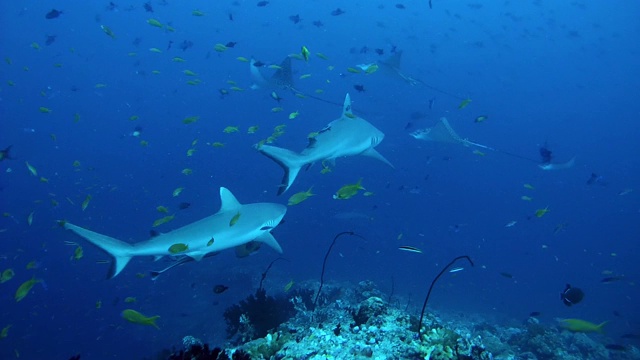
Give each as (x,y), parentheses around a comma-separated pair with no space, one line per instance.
(282,77)
(346,108)
(229,202)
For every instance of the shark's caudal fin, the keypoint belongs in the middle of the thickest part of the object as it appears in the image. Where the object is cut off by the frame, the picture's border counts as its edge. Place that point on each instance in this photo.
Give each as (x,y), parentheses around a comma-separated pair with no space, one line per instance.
(120,251)
(290,162)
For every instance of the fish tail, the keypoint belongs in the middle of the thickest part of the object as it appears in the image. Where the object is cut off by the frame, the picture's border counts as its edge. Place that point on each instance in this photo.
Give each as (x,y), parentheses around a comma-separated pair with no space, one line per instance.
(120,251)
(600,327)
(290,162)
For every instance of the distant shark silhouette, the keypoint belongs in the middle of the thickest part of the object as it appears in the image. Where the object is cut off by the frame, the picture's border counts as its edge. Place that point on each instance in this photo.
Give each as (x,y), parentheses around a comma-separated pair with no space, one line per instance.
(392,67)
(346,136)
(233,226)
(282,79)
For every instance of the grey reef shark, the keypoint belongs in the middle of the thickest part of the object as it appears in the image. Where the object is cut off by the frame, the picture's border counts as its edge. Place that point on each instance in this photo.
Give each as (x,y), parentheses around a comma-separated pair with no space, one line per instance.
(235,225)
(346,136)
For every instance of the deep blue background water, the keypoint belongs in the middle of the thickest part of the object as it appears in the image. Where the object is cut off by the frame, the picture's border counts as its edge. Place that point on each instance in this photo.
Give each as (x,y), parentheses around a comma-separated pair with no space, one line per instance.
(566,74)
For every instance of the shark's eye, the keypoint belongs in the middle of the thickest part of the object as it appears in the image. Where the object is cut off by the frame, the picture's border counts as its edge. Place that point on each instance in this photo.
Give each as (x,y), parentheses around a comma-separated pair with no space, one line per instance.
(266,228)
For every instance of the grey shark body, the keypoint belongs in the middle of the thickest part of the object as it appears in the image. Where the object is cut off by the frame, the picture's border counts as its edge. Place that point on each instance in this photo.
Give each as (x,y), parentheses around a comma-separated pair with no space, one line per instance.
(346,136)
(205,237)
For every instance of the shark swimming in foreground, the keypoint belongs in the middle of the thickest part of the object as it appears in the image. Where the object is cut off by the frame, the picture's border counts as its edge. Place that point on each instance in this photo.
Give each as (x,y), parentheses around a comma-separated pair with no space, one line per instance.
(233,226)
(348,135)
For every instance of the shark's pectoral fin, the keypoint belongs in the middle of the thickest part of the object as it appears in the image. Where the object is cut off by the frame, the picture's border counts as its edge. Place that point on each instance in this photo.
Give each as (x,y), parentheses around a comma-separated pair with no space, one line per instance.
(268,239)
(196,256)
(376,155)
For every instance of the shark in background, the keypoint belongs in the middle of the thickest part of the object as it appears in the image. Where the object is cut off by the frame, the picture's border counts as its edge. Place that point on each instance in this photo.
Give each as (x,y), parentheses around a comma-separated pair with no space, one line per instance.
(234,226)
(346,136)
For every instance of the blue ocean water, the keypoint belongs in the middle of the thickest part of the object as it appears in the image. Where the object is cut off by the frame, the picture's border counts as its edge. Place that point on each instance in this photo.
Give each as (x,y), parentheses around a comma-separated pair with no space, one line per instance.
(560,75)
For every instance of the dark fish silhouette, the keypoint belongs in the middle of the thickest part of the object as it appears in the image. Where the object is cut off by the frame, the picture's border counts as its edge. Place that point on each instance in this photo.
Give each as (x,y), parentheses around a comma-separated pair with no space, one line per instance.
(50,40)
(295,18)
(534,314)
(186,45)
(379,51)
(219,289)
(400,6)
(318,23)
(262,3)
(5,154)
(337,12)
(359,87)
(53,14)
(571,295)
(147,6)
(231,44)
(184,205)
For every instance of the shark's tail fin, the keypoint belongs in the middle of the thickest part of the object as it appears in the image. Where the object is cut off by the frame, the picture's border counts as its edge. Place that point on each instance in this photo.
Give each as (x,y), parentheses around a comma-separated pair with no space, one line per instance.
(290,162)
(119,250)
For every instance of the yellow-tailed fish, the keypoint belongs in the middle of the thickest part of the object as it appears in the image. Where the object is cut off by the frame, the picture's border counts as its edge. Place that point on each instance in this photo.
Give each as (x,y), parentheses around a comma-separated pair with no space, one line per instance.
(137,318)
(7,275)
(288,286)
(252,129)
(230,129)
(480,118)
(30,218)
(5,331)
(32,265)
(178,59)
(276,109)
(322,56)
(190,152)
(162,209)
(108,31)
(154,22)
(190,119)
(86,201)
(24,289)
(297,198)
(528,186)
(348,191)
(187,171)
(294,115)
(220,48)
(130,300)
(45,110)
(177,191)
(464,103)
(32,169)
(578,325)
(541,212)
(242,59)
(234,219)
(217,144)
(526,198)
(78,253)
(155,50)
(197,13)
(189,73)
(163,220)
(305,53)
(305,76)
(178,248)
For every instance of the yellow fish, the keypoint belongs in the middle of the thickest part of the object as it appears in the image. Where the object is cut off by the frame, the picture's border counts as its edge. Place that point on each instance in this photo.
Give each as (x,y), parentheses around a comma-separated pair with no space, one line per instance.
(108,31)
(220,48)
(32,169)
(541,212)
(130,300)
(190,119)
(178,248)
(154,22)
(297,198)
(5,331)
(464,103)
(305,53)
(137,318)
(163,220)
(288,286)
(230,129)
(177,191)
(162,209)
(7,275)
(85,203)
(577,325)
(24,289)
(234,219)
(294,115)
(348,191)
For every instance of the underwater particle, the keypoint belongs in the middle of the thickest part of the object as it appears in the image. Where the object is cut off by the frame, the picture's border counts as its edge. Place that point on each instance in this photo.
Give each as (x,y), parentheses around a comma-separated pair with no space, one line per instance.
(135,317)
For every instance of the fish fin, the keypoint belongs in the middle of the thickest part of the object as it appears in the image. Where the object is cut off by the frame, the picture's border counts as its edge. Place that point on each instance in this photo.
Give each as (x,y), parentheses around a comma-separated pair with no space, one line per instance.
(229,202)
(268,239)
(290,162)
(376,155)
(600,327)
(119,250)
(346,107)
